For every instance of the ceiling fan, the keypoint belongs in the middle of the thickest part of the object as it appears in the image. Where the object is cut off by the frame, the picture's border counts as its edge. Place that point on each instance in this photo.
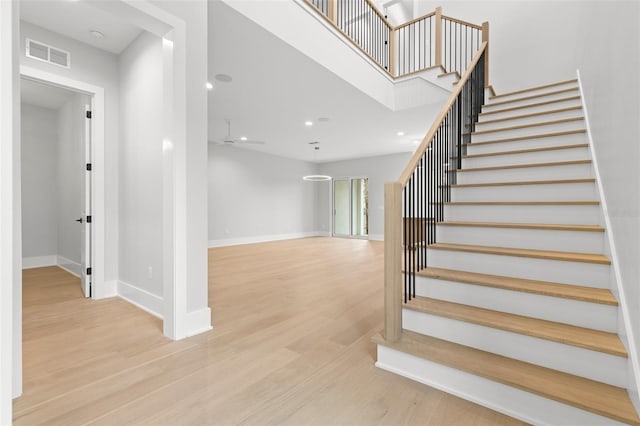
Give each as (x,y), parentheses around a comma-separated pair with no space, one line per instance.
(231,140)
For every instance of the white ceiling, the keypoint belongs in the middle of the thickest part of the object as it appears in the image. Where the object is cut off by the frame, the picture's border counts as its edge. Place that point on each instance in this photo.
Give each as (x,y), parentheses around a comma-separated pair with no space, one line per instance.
(275,89)
(75,19)
(43,95)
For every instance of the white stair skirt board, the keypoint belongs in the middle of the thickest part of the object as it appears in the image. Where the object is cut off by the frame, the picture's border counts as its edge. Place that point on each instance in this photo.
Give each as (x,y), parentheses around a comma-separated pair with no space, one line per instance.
(542,106)
(552,114)
(535,239)
(544,127)
(525,100)
(573,191)
(534,91)
(549,214)
(39,261)
(564,272)
(511,401)
(224,242)
(559,171)
(536,141)
(594,365)
(569,311)
(141,298)
(546,156)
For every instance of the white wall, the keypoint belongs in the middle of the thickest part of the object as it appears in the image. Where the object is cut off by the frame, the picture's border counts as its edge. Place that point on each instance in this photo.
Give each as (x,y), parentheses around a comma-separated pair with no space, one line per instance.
(70,162)
(258,197)
(140,166)
(98,68)
(381,169)
(39,150)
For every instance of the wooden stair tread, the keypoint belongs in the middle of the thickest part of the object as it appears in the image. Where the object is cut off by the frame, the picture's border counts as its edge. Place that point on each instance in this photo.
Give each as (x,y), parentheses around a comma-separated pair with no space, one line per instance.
(518,166)
(581,337)
(554,101)
(519,252)
(520,203)
(544,288)
(445,74)
(525,126)
(533,114)
(526,98)
(595,397)
(527,182)
(539,226)
(527,151)
(531,89)
(539,136)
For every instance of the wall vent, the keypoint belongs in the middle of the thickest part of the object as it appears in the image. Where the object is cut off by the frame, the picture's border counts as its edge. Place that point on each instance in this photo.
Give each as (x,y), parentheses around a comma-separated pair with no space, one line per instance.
(44,52)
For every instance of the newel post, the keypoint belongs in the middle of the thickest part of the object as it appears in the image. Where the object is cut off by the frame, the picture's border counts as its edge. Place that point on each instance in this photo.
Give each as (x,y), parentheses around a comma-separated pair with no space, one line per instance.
(438,33)
(332,11)
(392,261)
(392,52)
(485,38)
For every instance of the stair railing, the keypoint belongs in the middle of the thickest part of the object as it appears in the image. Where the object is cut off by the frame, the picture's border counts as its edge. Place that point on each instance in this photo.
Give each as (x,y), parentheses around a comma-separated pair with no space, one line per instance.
(415,203)
(429,41)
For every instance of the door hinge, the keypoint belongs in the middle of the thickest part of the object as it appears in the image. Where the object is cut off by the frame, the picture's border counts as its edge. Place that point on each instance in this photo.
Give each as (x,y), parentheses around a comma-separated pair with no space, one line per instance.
(88,219)
(88,271)
(88,167)
(88,114)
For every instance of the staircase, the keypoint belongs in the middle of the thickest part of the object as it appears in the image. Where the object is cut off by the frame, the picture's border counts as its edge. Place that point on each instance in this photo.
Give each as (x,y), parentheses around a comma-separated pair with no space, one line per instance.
(514,309)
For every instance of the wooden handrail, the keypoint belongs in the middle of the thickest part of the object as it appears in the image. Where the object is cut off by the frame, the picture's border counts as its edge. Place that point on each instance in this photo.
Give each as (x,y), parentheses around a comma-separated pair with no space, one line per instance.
(460,21)
(413,21)
(375,9)
(426,142)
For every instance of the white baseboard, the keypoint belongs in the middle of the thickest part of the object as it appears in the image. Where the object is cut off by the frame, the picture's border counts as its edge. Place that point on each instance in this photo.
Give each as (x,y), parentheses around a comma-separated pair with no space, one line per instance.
(69,265)
(198,321)
(376,237)
(39,261)
(224,242)
(141,298)
(107,289)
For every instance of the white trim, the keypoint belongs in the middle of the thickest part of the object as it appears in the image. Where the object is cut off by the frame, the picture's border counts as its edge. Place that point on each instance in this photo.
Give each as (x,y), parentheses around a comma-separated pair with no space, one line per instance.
(615,265)
(376,237)
(225,242)
(97,159)
(141,298)
(39,261)
(108,289)
(199,321)
(68,265)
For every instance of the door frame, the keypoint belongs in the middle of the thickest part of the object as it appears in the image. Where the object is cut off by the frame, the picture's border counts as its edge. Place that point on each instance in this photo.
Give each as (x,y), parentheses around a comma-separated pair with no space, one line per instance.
(332,203)
(96,93)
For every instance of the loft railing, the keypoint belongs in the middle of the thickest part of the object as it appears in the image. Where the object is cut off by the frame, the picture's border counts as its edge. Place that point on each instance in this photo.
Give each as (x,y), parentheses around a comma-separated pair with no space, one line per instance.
(432,40)
(415,203)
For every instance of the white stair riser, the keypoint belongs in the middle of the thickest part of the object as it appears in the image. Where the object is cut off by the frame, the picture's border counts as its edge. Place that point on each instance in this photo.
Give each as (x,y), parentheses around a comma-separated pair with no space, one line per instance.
(528,120)
(574,214)
(581,362)
(576,273)
(532,143)
(567,311)
(506,112)
(544,192)
(535,92)
(569,154)
(535,239)
(498,105)
(528,131)
(520,174)
(528,407)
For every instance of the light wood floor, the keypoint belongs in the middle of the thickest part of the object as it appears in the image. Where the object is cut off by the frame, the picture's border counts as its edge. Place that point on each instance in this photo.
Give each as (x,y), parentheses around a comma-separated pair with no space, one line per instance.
(290,345)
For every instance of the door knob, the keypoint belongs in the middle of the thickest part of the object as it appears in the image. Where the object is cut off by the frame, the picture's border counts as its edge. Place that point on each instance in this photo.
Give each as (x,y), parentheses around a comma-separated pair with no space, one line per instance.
(79,220)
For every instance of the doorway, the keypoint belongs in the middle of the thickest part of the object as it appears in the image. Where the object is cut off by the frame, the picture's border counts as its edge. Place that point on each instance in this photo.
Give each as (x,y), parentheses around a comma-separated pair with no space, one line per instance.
(56,179)
(351,207)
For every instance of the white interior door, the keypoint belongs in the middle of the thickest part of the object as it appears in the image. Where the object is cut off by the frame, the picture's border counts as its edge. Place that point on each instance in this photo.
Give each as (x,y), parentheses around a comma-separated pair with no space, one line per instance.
(86,219)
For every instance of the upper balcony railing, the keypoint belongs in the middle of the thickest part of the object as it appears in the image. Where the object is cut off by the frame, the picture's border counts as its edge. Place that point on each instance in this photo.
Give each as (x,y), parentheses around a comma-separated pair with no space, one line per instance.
(430,41)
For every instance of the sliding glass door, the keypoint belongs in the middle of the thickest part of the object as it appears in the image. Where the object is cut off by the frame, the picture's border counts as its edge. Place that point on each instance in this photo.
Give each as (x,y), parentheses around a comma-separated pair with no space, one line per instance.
(351,207)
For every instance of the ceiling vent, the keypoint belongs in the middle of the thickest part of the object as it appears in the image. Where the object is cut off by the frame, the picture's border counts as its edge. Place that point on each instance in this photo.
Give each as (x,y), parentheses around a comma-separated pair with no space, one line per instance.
(46,53)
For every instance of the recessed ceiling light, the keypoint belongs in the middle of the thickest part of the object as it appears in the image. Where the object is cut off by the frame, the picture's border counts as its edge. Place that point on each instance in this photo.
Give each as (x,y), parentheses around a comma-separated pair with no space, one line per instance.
(96,34)
(243,138)
(308,123)
(224,78)
(400,133)
(209,85)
